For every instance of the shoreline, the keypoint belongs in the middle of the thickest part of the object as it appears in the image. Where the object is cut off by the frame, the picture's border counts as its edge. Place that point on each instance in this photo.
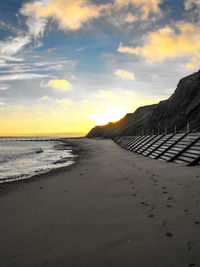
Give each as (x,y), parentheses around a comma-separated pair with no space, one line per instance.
(76,151)
(111,208)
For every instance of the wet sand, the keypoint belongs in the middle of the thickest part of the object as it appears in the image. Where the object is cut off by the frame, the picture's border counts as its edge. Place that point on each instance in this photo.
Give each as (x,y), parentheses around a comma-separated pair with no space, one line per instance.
(112,209)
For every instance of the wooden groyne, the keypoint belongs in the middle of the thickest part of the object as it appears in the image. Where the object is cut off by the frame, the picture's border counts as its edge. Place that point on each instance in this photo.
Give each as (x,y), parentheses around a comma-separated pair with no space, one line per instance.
(180,148)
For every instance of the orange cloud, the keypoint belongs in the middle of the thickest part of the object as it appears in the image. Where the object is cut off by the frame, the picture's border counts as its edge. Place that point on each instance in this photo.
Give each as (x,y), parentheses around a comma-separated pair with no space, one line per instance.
(70,14)
(167,43)
(130,18)
(61,85)
(125,74)
(146,6)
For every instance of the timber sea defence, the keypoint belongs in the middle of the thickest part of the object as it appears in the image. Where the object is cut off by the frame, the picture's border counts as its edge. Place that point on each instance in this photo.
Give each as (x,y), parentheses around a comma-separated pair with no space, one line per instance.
(179,148)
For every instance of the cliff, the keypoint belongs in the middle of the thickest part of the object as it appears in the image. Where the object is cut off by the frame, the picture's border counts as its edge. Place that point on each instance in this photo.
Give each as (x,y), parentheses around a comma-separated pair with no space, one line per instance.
(181,108)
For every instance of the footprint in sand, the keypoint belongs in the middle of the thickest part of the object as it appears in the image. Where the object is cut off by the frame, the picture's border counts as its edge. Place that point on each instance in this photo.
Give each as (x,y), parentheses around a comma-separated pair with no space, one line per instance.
(189,245)
(197,222)
(165,192)
(169,206)
(164,223)
(192,265)
(170,198)
(144,203)
(168,234)
(186,212)
(151,216)
(164,187)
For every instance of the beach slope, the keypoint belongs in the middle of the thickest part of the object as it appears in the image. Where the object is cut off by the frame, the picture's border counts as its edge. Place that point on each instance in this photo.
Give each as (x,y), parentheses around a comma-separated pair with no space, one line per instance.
(114,208)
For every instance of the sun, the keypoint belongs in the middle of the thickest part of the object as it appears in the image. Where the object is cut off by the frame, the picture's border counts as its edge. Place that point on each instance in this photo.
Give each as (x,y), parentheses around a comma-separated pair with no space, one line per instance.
(110,114)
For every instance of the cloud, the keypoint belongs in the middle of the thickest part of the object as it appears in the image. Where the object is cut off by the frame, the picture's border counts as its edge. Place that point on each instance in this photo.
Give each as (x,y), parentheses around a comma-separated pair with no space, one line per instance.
(125,74)
(21,76)
(7,26)
(70,14)
(13,45)
(146,6)
(130,18)
(45,98)
(36,26)
(34,30)
(168,42)
(106,93)
(4,87)
(126,49)
(64,101)
(189,4)
(62,85)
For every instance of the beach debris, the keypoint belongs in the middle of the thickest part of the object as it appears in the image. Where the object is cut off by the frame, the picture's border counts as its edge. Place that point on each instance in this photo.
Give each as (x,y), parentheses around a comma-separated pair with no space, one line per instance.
(39,151)
(169,234)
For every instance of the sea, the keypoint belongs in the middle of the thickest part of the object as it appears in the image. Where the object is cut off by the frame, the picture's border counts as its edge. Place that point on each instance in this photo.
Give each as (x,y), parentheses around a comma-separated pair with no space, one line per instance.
(23,158)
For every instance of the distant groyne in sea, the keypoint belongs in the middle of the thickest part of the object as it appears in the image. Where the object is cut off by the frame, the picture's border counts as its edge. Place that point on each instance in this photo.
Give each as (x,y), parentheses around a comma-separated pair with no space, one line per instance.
(6,139)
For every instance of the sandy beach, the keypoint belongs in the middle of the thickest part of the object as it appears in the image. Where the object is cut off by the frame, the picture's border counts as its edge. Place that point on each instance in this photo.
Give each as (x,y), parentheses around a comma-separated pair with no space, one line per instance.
(113,208)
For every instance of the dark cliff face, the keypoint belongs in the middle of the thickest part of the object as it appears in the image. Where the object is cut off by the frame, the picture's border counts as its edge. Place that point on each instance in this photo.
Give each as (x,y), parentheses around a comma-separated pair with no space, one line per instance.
(181,108)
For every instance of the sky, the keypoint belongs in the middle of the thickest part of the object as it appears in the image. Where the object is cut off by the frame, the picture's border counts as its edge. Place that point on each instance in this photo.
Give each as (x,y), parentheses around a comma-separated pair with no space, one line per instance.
(68,65)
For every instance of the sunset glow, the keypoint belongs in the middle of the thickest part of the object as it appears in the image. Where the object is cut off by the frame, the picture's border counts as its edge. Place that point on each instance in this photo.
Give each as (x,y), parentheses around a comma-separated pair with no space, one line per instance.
(67,65)
(111,115)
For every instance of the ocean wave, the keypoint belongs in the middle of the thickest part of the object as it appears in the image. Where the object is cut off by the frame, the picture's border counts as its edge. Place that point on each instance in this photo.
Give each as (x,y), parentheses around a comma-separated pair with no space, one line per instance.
(21,161)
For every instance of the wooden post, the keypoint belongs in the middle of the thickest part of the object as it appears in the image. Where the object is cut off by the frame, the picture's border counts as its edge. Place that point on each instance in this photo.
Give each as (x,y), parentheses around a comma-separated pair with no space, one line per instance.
(188,127)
